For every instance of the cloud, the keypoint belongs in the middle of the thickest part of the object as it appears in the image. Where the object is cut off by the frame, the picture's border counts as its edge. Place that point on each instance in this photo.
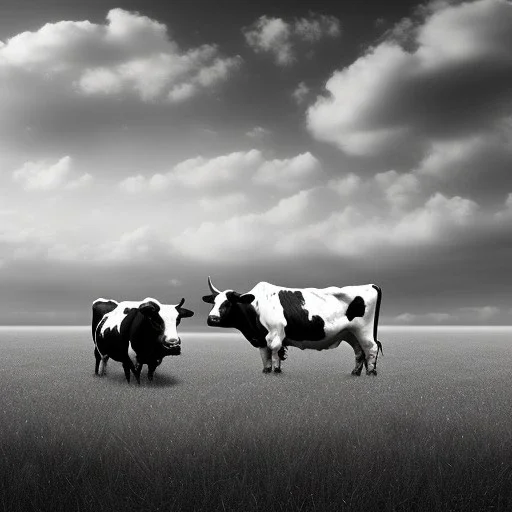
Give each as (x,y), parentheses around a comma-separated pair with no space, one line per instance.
(234,168)
(134,184)
(201,172)
(271,35)
(346,186)
(130,55)
(258,132)
(300,93)
(242,235)
(399,189)
(314,222)
(481,314)
(224,203)
(476,165)
(356,231)
(455,83)
(140,244)
(465,315)
(280,38)
(44,176)
(316,27)
(289,172)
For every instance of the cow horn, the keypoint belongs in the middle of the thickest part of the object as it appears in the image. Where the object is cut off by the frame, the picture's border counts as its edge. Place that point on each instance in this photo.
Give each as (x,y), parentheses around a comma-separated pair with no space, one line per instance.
(182,301)
(212,288)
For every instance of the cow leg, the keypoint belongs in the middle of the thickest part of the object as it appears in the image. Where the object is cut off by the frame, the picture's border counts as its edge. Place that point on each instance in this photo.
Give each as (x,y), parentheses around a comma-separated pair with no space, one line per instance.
(102,370)
(358,352)
(151,370)
(266,354)
(275,343)
(136,371)
(136,366)
(276,361)
(127,365)
(152,367)
(97,356)
(370,349)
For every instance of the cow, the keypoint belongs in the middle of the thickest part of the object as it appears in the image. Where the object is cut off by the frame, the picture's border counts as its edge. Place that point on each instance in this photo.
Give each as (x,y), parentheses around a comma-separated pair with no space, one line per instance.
(135,333)
(273,318)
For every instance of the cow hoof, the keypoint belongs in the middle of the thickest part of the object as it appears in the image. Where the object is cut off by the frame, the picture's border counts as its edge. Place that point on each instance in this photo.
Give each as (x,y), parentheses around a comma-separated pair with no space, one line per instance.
(277,370)
(357,373)
(267,370)
(371,372)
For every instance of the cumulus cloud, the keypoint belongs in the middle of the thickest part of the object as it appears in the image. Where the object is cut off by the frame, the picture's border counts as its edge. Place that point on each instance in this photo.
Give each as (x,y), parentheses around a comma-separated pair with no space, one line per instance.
(453,84)
(238,167)
(356,231)
(42,175)
(242,235)
(280,37)
(289,172)
(315,222)
(202,172)
(129,55)
(271,35)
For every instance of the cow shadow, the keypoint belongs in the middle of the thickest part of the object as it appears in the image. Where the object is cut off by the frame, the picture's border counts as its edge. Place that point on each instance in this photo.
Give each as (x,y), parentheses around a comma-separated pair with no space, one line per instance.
(161,380)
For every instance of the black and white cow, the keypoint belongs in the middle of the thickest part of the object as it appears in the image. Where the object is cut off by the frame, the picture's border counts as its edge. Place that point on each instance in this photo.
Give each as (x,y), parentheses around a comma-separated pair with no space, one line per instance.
(135,333)
(273,318)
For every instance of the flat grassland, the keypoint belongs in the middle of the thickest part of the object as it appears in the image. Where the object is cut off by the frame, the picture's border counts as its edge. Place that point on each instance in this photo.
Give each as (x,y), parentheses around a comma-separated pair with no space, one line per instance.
(432,432)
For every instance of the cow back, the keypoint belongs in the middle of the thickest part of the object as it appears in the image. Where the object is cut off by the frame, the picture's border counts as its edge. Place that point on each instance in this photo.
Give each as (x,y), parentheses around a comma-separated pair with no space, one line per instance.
(100,308)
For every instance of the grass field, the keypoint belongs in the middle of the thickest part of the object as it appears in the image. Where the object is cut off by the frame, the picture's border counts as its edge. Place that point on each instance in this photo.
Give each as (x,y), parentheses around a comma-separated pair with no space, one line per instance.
(433,431)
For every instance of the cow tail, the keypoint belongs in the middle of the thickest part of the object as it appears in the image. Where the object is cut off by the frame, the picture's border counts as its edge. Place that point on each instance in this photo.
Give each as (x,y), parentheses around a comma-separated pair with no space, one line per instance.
(376,319)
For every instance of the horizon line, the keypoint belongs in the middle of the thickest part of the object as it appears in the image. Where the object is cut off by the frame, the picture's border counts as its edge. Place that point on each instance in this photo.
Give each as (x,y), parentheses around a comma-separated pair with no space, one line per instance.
(206,330)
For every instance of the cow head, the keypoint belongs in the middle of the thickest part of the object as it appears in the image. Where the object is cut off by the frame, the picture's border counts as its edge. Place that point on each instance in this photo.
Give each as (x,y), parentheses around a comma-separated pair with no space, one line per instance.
(163,320)
(226,305)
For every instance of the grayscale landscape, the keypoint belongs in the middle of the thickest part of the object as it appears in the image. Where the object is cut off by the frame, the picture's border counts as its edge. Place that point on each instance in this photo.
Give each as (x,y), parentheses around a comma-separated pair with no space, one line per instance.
(430,432)
(275,146)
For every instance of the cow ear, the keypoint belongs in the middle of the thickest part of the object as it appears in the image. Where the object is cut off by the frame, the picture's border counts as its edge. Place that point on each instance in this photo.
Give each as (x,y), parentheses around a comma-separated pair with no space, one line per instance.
(210,299)
(185,313)
(246,298)
(148,308)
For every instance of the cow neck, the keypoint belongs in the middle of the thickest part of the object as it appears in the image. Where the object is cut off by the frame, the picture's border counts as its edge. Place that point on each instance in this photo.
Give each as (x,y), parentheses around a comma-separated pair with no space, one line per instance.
(126,324)
(248,324)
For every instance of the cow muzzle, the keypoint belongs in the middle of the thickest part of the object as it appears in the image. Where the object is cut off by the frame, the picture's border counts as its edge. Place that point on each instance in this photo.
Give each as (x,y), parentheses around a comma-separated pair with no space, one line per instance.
(213,321)
(172,342)
(172,346)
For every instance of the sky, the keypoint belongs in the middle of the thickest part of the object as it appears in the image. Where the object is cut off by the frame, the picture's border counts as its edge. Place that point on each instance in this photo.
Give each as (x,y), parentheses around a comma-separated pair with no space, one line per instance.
(147,145)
